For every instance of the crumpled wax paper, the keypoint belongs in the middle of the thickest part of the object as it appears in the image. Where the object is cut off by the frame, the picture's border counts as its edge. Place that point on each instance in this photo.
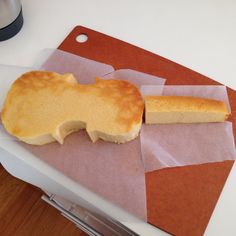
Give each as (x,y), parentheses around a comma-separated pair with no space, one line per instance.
(171,145)
(113,171)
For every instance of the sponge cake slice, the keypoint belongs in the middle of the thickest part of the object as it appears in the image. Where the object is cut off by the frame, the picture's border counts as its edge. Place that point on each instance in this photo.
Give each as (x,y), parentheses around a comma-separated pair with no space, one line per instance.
(183,109)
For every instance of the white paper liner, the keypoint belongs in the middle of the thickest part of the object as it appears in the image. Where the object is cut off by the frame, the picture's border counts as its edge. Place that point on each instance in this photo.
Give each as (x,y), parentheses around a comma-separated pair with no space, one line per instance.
(85,70)
(113,171)
(174,145)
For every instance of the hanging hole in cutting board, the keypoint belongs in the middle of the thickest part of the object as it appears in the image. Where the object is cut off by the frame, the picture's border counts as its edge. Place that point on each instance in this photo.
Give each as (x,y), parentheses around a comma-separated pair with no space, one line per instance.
(82,38)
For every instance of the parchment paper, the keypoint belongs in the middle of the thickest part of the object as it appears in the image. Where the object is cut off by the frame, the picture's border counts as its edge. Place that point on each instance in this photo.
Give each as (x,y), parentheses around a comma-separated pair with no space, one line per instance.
(85,70)
(138,78)
(186,144)
(113,171)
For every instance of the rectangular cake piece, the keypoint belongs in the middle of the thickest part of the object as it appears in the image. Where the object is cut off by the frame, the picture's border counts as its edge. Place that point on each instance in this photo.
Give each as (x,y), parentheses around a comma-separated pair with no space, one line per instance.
(183,109)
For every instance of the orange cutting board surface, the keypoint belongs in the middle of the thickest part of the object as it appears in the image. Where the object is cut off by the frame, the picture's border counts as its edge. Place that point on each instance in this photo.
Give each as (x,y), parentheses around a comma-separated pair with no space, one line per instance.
(180,200)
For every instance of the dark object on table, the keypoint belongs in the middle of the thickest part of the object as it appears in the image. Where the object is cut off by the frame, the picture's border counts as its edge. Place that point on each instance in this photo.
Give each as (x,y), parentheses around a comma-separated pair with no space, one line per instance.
(11,18)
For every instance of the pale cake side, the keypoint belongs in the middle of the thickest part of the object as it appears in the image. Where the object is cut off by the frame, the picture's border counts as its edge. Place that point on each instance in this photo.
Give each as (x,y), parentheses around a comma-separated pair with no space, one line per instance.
(183,109)
(42,107)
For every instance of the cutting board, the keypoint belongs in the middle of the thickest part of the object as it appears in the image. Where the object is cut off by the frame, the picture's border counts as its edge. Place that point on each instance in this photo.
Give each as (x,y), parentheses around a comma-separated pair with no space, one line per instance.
(180,200)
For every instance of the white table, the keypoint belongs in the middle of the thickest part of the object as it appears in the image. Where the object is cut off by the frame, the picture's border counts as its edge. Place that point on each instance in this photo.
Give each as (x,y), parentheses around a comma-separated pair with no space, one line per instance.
(198,34)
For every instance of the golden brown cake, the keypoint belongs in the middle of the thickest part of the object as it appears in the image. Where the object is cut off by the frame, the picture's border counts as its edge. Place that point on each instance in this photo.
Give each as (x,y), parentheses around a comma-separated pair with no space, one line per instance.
(42,107)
